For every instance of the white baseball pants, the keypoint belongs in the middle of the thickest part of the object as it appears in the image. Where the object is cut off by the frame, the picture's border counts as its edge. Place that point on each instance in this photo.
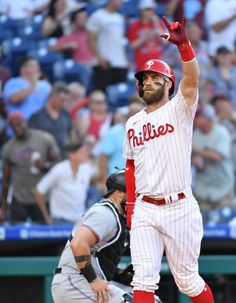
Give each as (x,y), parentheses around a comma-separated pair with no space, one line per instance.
(176,229)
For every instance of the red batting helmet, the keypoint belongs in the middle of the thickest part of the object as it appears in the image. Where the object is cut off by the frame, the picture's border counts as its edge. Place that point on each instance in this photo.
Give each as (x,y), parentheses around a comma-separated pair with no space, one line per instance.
(157,66)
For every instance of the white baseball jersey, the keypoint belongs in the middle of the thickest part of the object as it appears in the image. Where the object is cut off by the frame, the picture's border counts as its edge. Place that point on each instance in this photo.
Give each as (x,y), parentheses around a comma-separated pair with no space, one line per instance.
(160,144)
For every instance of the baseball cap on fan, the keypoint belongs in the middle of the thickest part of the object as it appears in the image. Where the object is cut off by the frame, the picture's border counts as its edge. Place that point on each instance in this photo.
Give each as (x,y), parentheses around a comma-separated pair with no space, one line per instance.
(144,4)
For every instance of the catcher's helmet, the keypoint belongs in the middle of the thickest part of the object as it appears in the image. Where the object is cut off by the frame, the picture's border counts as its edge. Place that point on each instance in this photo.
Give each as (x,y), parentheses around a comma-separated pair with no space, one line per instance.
(157,66)
(115,181)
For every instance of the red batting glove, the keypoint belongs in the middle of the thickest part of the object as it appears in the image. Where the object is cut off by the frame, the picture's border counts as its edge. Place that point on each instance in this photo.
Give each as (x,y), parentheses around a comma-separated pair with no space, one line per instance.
(129,212)
(178,36)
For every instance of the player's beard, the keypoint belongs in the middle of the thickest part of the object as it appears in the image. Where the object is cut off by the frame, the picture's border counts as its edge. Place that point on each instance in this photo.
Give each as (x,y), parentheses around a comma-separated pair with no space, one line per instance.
(151,97)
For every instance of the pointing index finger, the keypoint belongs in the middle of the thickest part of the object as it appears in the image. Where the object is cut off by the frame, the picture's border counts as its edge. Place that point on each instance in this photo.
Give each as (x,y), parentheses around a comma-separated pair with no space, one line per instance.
(183,21)
(166,22)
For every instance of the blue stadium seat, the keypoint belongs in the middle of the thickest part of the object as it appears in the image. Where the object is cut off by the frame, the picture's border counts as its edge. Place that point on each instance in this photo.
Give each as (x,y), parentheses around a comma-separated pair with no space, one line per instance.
(70,71)
(129,8)
(32,28)
(7,24)
(221,215)
(5,34)
(30,32)
(36,21)
(46,42)
(14,50)
(118,94)
(46,60)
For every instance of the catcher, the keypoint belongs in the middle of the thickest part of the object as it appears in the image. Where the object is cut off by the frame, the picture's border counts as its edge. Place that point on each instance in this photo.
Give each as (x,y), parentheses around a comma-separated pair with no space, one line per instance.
(90,258)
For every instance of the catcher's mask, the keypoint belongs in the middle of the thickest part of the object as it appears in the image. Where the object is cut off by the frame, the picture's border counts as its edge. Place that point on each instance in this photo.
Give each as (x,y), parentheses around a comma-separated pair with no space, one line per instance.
(157,66)
(115,181)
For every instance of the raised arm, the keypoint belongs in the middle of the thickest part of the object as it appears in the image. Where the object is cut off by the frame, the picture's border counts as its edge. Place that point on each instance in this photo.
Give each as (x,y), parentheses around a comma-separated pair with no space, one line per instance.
(19,96)
(221,25)
(190,78)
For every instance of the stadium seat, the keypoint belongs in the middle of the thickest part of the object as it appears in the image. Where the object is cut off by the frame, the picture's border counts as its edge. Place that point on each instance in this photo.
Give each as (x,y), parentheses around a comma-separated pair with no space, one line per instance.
(118,94)
(14,50)
(46,42)
(70,71)
(221,215)
(32,28)
(30,32)
(5,34)
(7,24)
(46,60)
(36,21)
(129,8)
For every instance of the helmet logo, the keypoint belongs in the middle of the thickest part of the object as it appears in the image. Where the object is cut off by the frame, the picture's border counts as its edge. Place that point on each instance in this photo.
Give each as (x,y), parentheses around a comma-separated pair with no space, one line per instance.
(149,64)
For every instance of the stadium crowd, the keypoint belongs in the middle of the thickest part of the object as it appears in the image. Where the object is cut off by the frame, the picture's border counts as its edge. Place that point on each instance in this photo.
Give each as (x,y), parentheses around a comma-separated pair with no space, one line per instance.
(67,88)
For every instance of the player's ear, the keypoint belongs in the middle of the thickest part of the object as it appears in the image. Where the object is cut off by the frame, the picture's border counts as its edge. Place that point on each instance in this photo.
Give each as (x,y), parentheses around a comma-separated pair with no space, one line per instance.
(169,85)
(139,88)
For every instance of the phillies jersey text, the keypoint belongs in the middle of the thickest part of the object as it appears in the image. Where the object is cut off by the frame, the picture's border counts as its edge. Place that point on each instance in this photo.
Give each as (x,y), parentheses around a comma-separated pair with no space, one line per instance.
(161,139)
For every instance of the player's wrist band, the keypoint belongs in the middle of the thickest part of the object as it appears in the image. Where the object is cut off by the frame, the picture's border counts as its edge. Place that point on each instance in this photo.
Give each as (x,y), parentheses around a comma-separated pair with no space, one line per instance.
(186,51)
(89,273)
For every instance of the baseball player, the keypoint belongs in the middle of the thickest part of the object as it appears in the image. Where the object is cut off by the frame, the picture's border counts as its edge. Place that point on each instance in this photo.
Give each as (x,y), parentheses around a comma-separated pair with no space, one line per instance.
(161,210)
(91,255)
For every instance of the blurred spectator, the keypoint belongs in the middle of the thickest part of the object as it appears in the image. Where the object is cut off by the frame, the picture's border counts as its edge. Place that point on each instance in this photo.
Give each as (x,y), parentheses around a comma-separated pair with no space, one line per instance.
(57,22)
(111,147)
(94,120)
(225,111)
(23,9)
(195,34)
(77,94)
(144,34)
(54,118)
(39,6)
(3,128)
(170,8)
(135,105)
(192,9)
(214,179)
(26,93)
(106,28)
(220,17)
(201,51)
(222,76)
(226,115)
(77,101)
(26,157)
(5,73)
(77,42)
(67,184)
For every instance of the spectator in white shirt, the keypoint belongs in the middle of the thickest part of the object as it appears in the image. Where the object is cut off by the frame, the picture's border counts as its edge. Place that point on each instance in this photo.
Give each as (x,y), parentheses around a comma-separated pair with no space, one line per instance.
(67,185)
(23,9)
(220,17)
